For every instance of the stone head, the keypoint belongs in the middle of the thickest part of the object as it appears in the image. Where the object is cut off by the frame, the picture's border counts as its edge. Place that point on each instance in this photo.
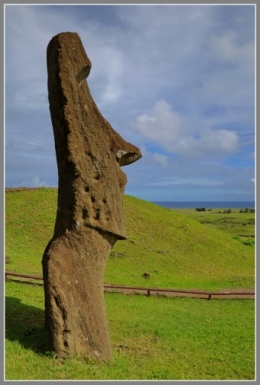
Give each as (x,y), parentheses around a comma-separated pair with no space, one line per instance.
(89,151)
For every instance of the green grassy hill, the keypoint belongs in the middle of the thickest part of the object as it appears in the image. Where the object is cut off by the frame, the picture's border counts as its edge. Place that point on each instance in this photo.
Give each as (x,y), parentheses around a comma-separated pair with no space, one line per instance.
(176,251)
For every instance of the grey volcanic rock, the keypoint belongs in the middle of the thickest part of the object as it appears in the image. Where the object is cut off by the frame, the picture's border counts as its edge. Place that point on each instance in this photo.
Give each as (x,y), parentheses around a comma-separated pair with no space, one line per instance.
(90,217)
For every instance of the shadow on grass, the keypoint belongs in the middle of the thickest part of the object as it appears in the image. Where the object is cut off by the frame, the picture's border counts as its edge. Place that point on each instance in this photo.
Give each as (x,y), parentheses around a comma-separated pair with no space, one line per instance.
(26,325)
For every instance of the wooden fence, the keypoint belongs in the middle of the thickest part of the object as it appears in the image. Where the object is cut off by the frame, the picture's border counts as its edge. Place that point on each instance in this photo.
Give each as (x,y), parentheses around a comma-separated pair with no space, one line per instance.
(148,291)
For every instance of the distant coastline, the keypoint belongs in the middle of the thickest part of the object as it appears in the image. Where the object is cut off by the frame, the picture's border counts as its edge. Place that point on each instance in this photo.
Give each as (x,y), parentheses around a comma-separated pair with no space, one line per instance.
(206,205)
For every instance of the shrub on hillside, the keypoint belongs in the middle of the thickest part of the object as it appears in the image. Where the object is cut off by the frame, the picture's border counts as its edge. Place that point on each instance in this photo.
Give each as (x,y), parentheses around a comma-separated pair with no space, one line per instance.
(247,210)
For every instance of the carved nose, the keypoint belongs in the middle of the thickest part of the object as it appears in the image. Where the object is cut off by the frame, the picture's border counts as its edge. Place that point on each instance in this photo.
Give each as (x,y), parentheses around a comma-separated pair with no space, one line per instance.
(124,157)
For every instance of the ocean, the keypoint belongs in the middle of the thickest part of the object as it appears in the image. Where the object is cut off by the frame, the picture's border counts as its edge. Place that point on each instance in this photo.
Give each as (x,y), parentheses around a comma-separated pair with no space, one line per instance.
(207,205)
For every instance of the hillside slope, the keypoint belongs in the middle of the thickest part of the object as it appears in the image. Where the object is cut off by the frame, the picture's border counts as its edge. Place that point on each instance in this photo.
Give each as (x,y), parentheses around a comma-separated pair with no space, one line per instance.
(174,250)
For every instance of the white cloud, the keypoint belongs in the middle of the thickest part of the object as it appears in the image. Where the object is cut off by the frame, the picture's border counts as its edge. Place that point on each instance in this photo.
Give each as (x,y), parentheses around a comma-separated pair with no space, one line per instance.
(161,159)
(244,192)
(188,181)
(35,182)
(225,48)
(111,71)
(228,83)
(161,124)
(178,135)
(153,159)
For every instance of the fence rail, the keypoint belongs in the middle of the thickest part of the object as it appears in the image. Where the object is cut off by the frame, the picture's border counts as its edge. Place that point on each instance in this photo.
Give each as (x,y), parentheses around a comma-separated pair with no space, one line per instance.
(148,291)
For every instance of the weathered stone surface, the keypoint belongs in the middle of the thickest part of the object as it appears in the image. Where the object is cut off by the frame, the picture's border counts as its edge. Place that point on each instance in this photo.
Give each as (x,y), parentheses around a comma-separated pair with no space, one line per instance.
(90,216)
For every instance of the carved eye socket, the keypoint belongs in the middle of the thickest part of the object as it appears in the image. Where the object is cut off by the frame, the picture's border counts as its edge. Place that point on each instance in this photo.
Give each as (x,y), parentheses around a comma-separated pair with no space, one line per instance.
(83,74)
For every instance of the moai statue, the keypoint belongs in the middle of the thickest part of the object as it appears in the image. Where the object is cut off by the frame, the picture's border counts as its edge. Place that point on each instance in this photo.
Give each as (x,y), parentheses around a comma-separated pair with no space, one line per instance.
(90,217)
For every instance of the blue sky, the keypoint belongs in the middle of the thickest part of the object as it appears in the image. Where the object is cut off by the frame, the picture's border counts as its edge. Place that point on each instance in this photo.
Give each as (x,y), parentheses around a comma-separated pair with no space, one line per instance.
(178,81)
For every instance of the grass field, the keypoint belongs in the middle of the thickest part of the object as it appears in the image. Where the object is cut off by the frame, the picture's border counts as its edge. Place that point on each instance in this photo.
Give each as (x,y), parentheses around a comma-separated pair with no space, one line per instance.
(240,225)
(152,338)
(176,251)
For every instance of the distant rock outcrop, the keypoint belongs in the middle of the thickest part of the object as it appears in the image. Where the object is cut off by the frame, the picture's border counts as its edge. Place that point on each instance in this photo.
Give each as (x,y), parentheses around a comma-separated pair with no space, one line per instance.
(90,216)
